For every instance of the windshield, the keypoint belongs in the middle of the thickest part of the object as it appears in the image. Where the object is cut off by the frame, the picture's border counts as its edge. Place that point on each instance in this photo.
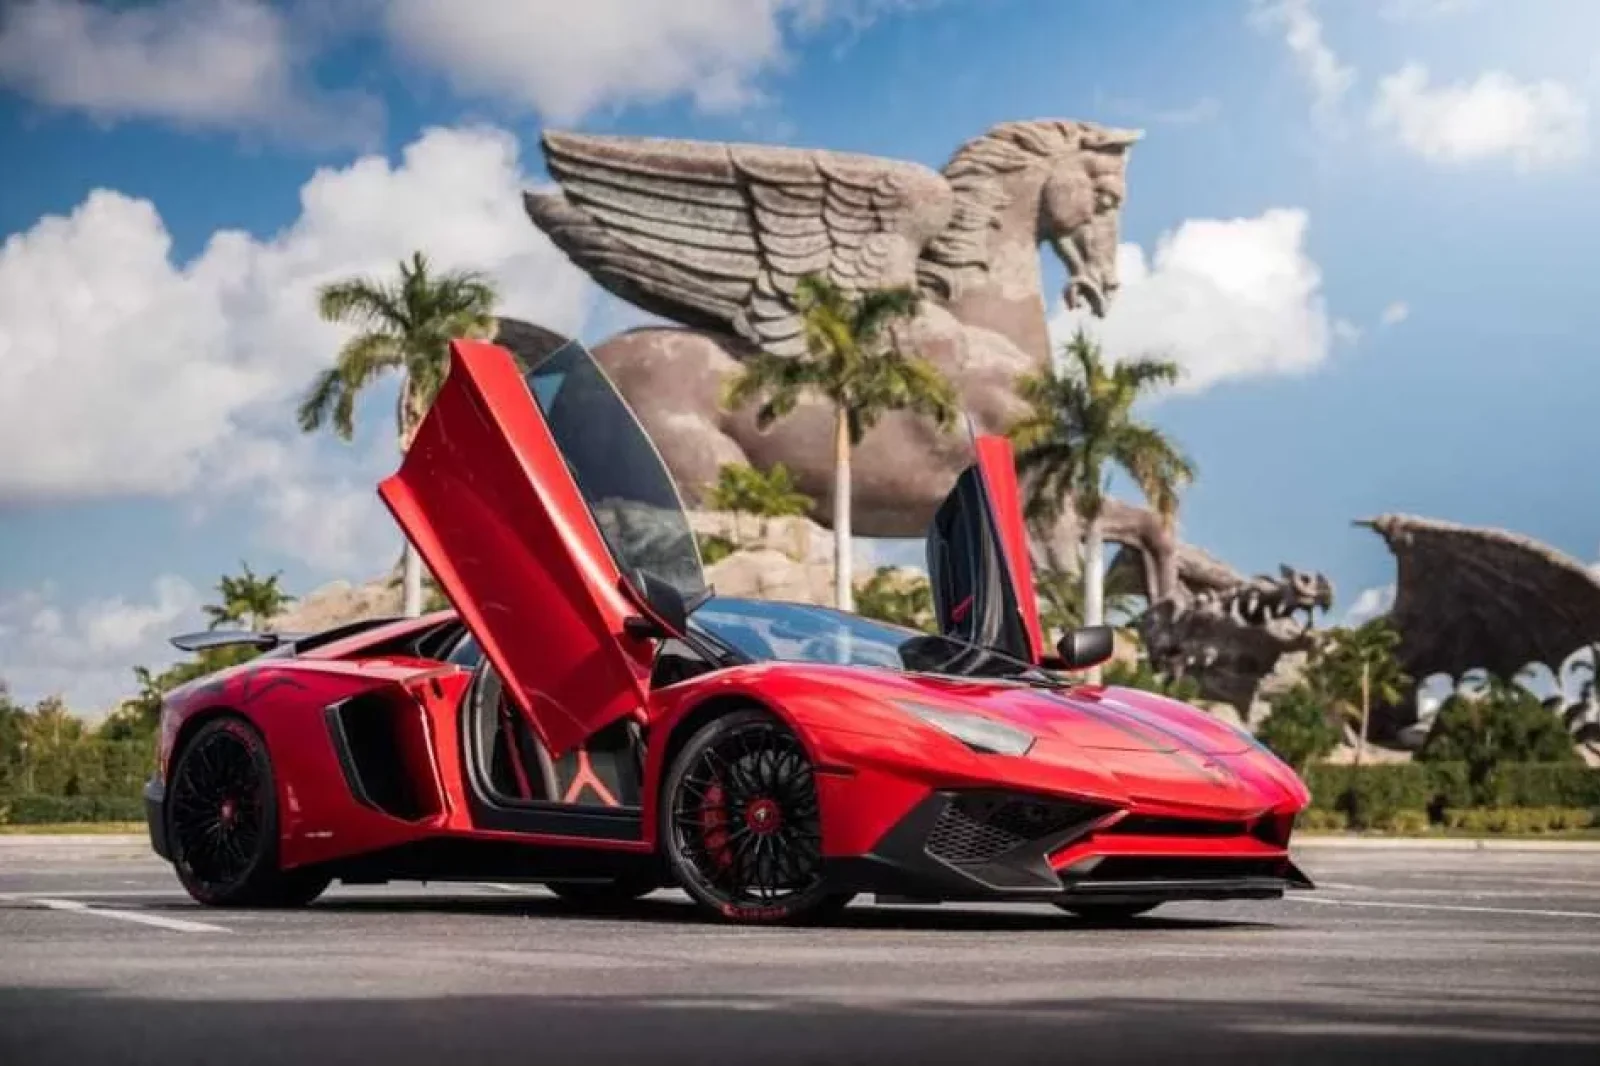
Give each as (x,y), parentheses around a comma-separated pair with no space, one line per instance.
(617,469)
(766,631)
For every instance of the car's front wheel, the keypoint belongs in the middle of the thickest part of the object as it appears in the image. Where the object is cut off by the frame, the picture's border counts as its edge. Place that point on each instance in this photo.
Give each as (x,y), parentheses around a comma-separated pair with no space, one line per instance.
(222,822)
(741,824)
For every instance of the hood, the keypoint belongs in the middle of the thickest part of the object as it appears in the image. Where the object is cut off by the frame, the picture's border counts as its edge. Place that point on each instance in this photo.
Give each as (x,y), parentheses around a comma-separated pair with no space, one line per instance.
(1099,719)
(1120,746)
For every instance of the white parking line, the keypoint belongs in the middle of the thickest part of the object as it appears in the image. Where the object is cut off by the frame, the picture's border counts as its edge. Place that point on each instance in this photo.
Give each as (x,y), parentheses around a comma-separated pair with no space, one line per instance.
(97,893)
(515,890)
(177,925)
(1462,908)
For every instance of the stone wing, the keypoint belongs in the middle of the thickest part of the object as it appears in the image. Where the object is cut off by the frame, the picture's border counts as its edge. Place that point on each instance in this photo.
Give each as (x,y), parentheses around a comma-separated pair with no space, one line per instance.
(717,235)
(1469,598)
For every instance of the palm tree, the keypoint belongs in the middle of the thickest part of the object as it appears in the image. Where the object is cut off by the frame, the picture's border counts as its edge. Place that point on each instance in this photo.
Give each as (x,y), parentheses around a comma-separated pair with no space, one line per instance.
(1080,427)
(1357,669)
(249,599)
(405,325)
(1060,594)
(852,363)
(743,489)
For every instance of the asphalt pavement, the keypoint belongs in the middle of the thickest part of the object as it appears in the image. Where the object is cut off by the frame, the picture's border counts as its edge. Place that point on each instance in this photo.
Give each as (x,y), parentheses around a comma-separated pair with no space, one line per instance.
(1414,954)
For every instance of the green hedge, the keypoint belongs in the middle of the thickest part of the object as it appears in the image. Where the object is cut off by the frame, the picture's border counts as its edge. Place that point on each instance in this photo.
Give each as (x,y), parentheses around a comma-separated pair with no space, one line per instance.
(1374,797)
(81,767)
(49,810)
(1541,785)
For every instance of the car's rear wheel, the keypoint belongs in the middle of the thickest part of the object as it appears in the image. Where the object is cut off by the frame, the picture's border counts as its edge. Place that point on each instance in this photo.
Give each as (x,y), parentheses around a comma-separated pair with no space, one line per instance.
(742,826)
(222,822)
(1108,912)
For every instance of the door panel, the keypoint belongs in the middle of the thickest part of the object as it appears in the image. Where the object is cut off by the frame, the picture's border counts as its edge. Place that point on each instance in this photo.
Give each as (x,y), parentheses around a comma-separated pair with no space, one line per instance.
(978,559)
(487,497)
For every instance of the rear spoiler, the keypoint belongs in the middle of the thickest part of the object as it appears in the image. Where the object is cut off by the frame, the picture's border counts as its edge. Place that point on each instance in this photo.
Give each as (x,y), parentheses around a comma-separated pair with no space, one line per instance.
(207,639)
(296,643)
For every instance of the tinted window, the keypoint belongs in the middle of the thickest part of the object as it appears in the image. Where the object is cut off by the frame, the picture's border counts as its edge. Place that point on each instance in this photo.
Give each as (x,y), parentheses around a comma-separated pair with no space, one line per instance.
(791,632)
(617,469)
(466,653)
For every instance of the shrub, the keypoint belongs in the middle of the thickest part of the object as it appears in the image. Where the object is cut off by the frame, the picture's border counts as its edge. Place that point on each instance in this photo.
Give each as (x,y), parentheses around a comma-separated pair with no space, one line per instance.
(1404,822)
(1506,724)
(714,548)
(897,597)
(1368,795)
(1527,820)
(1541,785)
(42,810)
(1298,730)
(1321,820)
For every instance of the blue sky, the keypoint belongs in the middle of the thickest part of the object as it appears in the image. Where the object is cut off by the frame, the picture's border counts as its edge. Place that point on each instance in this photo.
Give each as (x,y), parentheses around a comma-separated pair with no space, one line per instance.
(1364,227)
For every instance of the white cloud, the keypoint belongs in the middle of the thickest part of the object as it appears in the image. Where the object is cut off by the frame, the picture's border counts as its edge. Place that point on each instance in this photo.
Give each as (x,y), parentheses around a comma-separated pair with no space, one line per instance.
(201,63)
(1346,331)
(1536,125)
(1370,604)
(1319,66)
(326,512)
(1224,298)
(123,372)
(86,654)
(1395,313)
(566,60)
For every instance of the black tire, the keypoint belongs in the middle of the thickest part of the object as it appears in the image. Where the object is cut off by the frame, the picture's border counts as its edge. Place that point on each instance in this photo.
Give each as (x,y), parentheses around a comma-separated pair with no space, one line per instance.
(1108,912)
(767,868)
(602,895)
(222,822)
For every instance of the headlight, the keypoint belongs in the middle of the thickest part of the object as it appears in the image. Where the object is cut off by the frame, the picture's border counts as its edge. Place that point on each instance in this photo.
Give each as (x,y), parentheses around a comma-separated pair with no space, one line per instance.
(975,731)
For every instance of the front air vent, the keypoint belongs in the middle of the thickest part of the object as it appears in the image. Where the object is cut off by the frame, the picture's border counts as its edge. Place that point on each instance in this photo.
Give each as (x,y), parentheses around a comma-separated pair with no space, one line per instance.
(977,828)
(1147,825)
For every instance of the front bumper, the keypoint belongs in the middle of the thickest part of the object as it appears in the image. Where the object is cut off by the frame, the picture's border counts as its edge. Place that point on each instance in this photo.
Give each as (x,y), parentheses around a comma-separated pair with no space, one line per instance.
(155,816)
(999,846)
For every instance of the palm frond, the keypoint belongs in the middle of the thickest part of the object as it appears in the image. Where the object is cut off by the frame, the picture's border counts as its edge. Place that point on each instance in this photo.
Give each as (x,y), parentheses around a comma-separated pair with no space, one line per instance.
(364,303)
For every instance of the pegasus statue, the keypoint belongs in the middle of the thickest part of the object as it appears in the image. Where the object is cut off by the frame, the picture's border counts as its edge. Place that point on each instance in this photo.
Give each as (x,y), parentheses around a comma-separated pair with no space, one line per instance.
(715,237)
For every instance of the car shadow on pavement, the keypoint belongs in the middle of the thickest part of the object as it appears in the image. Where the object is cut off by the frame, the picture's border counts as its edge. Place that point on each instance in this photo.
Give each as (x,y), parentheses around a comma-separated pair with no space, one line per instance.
(44,1027)
(858,916)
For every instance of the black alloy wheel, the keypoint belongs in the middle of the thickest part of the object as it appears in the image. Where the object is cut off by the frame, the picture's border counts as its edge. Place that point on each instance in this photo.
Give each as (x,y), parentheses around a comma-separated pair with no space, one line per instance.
(222,822)
(742,826)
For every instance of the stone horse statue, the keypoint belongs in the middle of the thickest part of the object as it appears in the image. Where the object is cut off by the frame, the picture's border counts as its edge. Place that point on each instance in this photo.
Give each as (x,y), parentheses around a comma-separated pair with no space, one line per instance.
(715,237)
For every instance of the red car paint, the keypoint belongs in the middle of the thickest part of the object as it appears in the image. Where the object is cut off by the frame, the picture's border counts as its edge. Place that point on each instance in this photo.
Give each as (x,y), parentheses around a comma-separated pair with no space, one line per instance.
(485,495)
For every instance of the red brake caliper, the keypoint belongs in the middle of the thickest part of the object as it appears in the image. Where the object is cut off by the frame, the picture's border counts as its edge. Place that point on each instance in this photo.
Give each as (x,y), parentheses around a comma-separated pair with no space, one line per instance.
(714,826)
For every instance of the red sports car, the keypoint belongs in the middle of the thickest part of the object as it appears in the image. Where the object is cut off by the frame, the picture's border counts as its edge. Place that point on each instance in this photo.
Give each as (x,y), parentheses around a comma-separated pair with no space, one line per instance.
(593,717)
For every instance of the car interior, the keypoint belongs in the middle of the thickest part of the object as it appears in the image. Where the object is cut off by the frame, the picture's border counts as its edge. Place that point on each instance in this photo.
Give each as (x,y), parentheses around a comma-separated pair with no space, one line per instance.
(512,764)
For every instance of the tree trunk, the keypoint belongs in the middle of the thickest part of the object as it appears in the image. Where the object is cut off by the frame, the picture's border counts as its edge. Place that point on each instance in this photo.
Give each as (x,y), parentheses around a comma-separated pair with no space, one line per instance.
(843,556)
(411,582)
(1094,582)
(1165,549)
(411,562)
(1366,713)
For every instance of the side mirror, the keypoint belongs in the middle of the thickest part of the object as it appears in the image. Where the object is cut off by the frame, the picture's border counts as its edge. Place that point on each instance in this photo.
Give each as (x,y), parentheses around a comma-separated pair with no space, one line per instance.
(666,613)
(1086,646)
